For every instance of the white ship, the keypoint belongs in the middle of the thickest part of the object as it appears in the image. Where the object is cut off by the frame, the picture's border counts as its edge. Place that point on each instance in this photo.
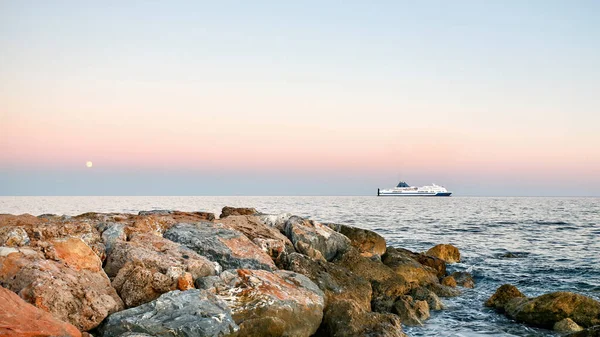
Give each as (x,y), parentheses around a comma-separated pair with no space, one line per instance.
(404,190)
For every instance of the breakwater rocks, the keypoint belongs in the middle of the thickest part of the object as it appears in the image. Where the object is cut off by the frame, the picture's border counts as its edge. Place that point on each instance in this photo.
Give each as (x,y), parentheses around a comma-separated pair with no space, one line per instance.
(561,311)
(171,273)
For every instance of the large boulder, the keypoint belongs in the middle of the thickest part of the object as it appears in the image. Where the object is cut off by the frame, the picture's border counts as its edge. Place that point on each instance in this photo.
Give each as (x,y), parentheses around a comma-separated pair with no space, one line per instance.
(387,285)
(263,303)
(218,242)
(19,318)
(367,242)
(72,288)
(191,313)
(227,211)
(268,238)
(546,310)
(347,300)
(148,265)
(463,279)
(403,264)
(315,239)
(446,252)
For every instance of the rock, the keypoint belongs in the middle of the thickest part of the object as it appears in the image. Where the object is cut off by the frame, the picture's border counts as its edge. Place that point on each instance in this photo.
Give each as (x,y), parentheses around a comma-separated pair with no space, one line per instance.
(307,235)
(503,295)
(19,318)
(137,283)
(411,312)
(546,310)
(566,325)
(589,332)
(71,290)
(113,233)
(443,291)
(265,303)
(347,298)
(449,281)
(227,211)
(446,252)
(268,238)
(404,265)
(424,294)
(76,254)
(183,314)
(13,236)
(230,248)
(387,285)
(435,263)
(159,253)
(463,279)
(275,220)
(147,266)
(367,242)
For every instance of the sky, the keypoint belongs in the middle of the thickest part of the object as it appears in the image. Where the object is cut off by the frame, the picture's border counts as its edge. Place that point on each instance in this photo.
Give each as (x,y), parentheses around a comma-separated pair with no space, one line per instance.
(486,98)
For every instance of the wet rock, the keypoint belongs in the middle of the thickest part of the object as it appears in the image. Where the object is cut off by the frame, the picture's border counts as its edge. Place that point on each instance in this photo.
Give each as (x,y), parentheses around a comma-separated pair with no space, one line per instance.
(230,248)
(404,265)
(13,236)
(386,284)
(443,291)
(309,236)
(268,238)
(411,312)
(227,211)
(503,295)
(265,303)
(367,242)
(424,294)
(566,325)
(347,298)
(546,310)
(176,313)
(449,281)
(19,318)
(435,263)
(446,252)
(464,279)
(275,220)
(71,290)
(589,332)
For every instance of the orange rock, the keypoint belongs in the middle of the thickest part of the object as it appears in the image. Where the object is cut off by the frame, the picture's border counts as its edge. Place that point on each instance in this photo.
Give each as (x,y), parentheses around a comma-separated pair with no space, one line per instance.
(185,282)
(18,318)
(76,254)
(446,252)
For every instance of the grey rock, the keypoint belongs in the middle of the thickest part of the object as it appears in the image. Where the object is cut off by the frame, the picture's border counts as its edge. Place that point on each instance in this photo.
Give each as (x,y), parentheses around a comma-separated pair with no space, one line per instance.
(315,239)
(112,233)
(156,212)
(219,243)
(189,313)
(275,220)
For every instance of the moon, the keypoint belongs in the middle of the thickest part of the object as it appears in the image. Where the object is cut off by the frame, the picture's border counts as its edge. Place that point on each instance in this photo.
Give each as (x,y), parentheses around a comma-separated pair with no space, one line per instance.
(88,164)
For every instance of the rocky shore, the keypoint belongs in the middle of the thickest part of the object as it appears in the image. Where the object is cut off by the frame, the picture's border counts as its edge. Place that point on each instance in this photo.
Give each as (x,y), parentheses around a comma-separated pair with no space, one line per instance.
(171,273)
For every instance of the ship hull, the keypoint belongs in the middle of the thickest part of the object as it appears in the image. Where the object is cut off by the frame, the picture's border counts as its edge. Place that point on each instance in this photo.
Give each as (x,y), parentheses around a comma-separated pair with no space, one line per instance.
(438,194)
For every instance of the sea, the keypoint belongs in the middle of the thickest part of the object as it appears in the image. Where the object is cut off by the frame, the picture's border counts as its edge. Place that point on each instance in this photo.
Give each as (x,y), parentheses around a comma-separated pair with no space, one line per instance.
(538,244)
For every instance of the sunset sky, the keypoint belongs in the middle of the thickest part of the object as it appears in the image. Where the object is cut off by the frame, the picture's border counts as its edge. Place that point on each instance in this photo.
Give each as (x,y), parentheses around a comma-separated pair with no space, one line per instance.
(299,97)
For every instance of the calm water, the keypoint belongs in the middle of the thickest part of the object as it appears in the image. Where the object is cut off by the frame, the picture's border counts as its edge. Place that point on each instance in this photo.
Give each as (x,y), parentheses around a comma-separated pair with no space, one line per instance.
(557,240)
